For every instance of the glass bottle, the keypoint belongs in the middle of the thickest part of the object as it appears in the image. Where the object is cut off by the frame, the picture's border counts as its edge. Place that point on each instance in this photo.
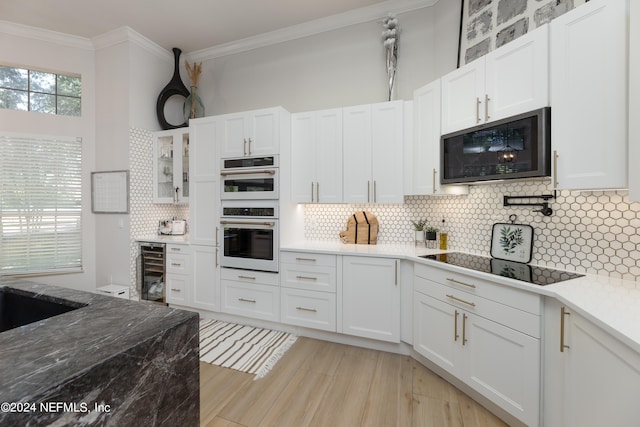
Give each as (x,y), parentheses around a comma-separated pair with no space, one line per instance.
(193,105)
(443,237)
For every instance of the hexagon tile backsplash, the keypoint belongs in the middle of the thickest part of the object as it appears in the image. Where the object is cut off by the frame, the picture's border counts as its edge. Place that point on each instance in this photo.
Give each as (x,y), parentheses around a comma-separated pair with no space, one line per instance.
(589,232)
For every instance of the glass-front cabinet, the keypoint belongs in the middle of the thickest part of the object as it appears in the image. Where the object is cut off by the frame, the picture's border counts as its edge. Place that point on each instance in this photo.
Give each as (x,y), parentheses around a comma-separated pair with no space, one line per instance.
(171,166)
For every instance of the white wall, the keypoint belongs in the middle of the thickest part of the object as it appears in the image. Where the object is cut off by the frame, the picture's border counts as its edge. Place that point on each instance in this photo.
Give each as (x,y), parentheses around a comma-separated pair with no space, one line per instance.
(77,58)
(333,69)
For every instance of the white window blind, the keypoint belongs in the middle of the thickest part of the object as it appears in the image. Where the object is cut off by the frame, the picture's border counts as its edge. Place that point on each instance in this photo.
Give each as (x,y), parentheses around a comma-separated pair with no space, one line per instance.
(40,204)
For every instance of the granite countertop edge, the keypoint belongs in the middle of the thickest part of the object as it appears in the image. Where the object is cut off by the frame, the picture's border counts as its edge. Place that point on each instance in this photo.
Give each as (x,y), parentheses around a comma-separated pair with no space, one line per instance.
(43,354)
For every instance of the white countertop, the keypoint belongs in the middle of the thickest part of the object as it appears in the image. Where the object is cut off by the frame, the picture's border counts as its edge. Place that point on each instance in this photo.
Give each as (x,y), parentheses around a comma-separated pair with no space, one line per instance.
(165,238)
(612,304)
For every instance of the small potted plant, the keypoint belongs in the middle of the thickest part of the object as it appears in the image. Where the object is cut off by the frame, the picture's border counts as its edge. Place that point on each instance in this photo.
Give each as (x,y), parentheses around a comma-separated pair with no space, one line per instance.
(430,233)
(419,226)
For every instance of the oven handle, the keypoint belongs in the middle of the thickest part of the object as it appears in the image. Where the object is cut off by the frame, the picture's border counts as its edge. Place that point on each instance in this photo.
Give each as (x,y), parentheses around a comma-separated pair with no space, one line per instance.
(249,172)
(267,223)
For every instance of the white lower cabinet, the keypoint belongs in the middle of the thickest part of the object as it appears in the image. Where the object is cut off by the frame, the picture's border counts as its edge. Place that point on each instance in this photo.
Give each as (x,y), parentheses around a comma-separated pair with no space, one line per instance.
(178,274)
(206,280)
(371,297)
(308,290)
(594,376)
(250,293)
(492,347)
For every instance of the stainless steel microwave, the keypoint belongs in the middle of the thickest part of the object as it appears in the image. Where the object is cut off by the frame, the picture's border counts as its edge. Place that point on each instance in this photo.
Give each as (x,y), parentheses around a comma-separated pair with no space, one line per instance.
(516,147)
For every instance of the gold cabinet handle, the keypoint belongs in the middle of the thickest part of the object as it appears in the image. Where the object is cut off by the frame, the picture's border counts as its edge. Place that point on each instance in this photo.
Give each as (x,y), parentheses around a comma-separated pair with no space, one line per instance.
(461,283)
(311,191)
(472,304)
(434,180)
(247,277)
(313,310)
(249,146)
(217,257)
(563,312)
(247,300)
(478,119)
(455,326)
(317,192)
(175,290)
(306,278)
(306,259)
(375,192)
(244,147)
(175,249)
(464,328)
(176,264)
(486,107)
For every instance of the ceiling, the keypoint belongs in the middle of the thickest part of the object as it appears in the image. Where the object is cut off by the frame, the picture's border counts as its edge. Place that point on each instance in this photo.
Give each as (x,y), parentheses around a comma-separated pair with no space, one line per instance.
(188,24)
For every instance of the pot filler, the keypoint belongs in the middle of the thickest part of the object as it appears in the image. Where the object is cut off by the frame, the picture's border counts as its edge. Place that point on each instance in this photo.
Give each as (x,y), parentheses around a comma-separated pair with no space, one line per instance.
(541,276)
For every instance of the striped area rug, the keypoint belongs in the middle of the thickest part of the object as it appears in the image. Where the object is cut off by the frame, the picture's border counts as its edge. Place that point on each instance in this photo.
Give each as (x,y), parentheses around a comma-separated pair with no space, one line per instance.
(243,348)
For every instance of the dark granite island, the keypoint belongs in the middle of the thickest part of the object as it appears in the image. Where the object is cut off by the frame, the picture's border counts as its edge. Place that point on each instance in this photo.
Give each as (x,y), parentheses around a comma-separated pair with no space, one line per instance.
(110,362)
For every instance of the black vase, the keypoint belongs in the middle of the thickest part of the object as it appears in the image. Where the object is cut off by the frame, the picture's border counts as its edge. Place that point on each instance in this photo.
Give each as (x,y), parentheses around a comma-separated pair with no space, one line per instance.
(174,87)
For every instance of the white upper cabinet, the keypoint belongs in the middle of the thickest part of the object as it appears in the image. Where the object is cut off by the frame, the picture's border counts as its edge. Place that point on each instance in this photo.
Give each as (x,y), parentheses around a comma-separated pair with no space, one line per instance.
(316,156)
(510,80)
(373,153)
(171,166)
(589,96)
(204,208)
(422,156)
(251,133)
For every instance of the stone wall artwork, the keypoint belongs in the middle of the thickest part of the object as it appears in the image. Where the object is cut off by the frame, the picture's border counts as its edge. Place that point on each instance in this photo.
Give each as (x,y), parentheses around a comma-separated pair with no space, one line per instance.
(489,24)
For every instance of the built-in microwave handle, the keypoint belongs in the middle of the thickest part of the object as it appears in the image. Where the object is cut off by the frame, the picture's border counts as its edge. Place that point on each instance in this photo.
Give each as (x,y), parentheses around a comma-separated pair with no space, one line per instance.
(267,223)
(248,172)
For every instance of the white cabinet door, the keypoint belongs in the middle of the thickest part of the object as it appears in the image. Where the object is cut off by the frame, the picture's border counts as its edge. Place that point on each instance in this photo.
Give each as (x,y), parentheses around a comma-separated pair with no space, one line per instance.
(357,154)
(206,278)
(502,364)
(171,166)
(424,150)
(233,141)
(386,146)
(462,97)
(589,96)
(204,133)
(602,377)
(435,331)
(510,80)
(373,153)
(517,76)
(303,162)
(178,289)
(371,298)
(316,156)
(251,133)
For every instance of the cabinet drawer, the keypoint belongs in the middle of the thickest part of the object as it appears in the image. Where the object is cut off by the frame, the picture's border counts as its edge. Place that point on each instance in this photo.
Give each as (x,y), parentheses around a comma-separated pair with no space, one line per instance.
(178,263)
(308,308)
(177,288)
(519,320)
(245,299)
(249,276)
(308,258)
(310,277)
(516,298)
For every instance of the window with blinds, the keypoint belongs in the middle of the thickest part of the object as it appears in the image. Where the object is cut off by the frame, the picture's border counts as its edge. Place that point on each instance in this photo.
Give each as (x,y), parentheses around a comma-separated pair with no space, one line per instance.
(40,204)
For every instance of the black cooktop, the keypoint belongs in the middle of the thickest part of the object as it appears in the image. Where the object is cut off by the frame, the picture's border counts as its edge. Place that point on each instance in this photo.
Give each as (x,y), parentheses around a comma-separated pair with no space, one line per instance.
(514,270)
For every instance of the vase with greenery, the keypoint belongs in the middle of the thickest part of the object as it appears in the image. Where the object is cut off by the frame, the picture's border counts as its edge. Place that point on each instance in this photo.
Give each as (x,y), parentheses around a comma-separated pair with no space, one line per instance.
(419,226)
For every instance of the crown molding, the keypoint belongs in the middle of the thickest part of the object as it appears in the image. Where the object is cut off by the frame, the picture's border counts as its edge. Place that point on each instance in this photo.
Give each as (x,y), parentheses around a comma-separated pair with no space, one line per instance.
(318,26)
(43,35)
(128,35)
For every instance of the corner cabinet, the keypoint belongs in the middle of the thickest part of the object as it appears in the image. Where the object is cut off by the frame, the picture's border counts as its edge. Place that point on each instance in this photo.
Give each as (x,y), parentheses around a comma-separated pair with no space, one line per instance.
(484,334)
(316,156)
(589,90)
(373,153)
(251,133)
(371,297)
(171,166)
(510,80)
(423,151)
(591,378)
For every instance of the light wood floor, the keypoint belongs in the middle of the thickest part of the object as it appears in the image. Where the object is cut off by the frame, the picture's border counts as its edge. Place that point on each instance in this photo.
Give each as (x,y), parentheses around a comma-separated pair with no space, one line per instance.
(318,383)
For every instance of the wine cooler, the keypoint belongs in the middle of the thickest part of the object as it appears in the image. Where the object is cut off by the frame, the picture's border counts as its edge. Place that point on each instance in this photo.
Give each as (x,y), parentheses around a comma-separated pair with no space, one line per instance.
(151,272)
